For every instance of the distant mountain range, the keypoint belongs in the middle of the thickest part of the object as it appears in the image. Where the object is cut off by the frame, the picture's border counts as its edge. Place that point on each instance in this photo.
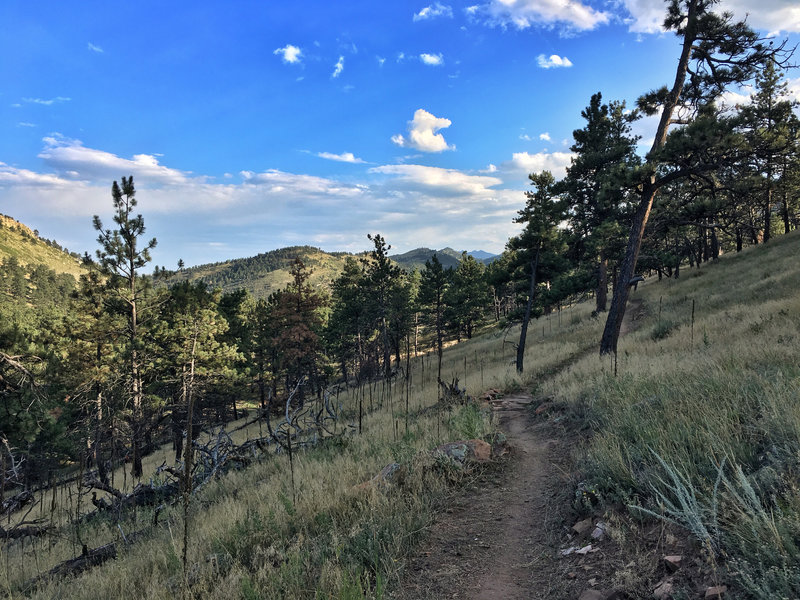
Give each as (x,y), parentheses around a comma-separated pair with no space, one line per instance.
(415,259)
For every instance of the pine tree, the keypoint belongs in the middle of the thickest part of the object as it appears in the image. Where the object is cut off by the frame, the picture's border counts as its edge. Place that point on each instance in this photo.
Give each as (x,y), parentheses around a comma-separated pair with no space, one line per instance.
(716,52)
(539,246)
(121,258)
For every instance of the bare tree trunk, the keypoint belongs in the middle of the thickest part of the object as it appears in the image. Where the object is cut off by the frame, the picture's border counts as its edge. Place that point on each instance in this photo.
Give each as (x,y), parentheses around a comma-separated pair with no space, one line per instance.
(523,334)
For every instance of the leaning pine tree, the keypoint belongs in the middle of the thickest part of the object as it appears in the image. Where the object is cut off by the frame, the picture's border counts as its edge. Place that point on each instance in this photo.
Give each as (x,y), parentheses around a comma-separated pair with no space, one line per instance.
(716,52)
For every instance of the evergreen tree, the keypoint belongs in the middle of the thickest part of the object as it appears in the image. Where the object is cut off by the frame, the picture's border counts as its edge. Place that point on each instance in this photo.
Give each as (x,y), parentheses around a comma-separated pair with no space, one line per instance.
(595,187)
(121,258)
(468,295)
(433,287)
(539,247)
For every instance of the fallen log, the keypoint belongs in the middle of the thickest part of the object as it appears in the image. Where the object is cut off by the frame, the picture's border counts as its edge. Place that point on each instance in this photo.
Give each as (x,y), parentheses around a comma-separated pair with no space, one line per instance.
(90,557)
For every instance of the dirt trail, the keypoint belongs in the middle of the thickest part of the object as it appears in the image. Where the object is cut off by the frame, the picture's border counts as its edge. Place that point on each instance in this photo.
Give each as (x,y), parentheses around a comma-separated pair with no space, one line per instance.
(499,540)
(496,541)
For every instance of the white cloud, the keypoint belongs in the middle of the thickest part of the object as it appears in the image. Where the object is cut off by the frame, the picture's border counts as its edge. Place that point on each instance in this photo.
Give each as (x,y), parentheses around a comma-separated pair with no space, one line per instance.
(434,10)
(347,157)
(444,181)
(49,102)
(527,13)
(647,16)
(14,176)
(555,162)
(25,124)
(380,60)
(553,61)
(525,137)
(422,133)
(338,68)
(65,154)
(290,54)
(545,137)
(94,48)
(411,205)
(434,60)
(281,182)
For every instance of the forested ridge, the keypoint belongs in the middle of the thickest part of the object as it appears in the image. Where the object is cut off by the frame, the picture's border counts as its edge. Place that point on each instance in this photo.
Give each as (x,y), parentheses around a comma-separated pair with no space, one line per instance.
(98,372)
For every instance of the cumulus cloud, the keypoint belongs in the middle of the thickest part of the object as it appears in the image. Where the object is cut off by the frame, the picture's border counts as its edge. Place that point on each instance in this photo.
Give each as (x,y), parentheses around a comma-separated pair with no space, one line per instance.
(444,181)
(645,16)
(434,10)
(522,14)
(422,133)
(555,162)
(433,60)
(347,157)
(338,68)
(290,54)
(545,136)
(94,48)
(553,61)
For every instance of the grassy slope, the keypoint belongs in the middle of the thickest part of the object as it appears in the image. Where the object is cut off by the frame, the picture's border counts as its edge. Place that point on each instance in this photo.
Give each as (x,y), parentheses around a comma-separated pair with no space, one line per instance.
(266,273)
(683,402)
(19,241)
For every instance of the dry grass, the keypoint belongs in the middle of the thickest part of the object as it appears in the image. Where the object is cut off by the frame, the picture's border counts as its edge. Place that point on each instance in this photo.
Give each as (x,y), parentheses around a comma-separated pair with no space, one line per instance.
(701,425)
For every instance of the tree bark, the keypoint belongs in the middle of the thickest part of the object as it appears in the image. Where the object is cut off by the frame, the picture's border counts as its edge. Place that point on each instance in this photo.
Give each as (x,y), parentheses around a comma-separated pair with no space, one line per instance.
(523,334)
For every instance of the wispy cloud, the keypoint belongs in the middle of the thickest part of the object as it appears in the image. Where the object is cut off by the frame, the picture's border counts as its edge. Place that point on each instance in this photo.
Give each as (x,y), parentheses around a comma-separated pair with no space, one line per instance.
(25,124)
(347,157)
(94,48)
(422,133)
(290,54)
(522,14)
(553,61)
(338,67)
(47,102)
(434,10)
(433,60)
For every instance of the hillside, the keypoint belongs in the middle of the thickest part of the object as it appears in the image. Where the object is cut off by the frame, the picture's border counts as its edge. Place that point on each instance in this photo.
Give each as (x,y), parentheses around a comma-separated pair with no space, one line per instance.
(267,272)
(21,242)
(686,447)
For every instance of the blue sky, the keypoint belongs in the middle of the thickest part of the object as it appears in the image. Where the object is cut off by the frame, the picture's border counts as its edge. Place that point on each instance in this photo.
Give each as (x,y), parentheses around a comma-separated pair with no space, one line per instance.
(250,126)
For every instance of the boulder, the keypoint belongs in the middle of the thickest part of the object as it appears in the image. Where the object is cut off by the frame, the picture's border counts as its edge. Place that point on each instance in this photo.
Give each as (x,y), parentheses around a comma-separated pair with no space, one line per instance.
(462,452)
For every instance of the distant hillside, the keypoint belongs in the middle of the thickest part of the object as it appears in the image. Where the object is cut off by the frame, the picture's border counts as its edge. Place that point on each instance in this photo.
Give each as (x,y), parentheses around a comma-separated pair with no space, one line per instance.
(483,256)
(415,259)
(267,272)
(23,243)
